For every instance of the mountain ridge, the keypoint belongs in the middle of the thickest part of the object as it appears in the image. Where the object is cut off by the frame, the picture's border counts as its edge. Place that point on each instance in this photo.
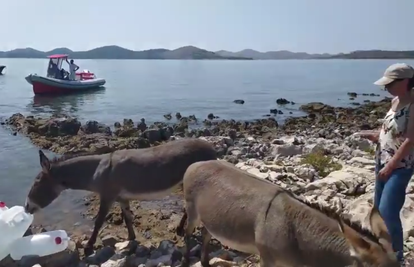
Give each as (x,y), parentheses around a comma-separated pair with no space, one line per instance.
(195,53)
(117,52)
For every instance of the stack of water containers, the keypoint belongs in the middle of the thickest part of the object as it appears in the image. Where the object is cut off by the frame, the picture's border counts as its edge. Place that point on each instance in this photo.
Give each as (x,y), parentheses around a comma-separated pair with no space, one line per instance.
(14,222)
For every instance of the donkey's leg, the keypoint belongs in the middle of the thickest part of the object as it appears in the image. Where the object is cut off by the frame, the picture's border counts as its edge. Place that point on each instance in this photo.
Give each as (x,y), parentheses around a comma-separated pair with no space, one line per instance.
(205,261)
(104,206)
(191,215)
(180,228)
(128,217)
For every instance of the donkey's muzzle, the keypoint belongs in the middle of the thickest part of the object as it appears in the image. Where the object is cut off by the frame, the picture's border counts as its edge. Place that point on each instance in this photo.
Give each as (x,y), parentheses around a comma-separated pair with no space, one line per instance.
(30,207)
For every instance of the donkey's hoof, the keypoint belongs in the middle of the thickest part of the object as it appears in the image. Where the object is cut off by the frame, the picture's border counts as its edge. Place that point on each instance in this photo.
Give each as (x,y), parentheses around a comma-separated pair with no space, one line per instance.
(205,263)
(185,262)
(132,237)
(130,248)
(180,231)
(88,250)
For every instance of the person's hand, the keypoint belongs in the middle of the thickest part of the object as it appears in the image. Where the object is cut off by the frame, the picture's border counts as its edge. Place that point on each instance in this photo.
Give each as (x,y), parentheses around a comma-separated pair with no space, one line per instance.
(385,172)
(371,136)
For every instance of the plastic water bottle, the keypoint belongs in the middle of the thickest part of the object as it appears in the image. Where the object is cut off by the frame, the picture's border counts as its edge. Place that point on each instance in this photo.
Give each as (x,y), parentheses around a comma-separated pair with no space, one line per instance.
(14,222)
(42,244)
(3,206)
(4,251)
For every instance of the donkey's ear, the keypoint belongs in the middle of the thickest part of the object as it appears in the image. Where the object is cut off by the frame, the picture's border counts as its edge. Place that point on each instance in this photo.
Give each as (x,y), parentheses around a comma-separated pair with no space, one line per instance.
(358,246)
(44,161)
(379,229)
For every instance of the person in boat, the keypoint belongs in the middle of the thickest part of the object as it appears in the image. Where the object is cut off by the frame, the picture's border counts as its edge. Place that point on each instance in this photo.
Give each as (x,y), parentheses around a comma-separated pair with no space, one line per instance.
(72,69)
(53,70)
(63,75)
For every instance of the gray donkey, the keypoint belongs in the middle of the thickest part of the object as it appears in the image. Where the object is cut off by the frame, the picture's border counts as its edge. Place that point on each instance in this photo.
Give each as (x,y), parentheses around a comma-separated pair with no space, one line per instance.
(254,216)
(123,175)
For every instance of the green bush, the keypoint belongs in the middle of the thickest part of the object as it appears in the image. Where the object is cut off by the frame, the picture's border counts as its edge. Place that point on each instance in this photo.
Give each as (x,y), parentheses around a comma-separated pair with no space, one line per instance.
(322,163)
(370,151)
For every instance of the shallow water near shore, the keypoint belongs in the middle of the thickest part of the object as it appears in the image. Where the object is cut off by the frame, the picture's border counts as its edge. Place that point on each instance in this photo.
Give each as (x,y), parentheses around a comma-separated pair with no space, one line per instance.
(149,89)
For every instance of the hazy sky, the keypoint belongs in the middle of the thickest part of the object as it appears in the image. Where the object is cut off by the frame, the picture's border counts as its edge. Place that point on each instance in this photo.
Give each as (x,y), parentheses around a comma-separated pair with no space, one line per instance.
(297,25)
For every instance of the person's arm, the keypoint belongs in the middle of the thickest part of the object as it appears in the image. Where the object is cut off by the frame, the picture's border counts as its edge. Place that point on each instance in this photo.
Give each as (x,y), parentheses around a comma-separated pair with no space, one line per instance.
(76,67)
(408,143)
(372,135)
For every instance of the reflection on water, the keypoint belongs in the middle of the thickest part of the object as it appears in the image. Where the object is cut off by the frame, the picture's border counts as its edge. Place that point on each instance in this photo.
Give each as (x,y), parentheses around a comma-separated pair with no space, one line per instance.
(62,105)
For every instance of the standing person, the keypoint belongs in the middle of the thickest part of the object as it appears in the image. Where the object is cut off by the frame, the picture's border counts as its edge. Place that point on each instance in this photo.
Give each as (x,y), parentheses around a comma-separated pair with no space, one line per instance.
(72,69)
(395,150)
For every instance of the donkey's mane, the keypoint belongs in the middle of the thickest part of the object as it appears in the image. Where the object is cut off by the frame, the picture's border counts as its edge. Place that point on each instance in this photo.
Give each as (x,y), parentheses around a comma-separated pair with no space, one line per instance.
(68,156)
(334,214)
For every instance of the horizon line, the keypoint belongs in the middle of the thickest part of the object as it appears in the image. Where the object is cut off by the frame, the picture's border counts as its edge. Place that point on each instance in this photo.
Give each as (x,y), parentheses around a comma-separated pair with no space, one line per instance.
(215,51)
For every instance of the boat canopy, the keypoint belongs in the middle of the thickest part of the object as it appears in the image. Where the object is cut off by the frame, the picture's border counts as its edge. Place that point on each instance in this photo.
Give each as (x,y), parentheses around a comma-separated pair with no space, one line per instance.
(55,64)
(58,56)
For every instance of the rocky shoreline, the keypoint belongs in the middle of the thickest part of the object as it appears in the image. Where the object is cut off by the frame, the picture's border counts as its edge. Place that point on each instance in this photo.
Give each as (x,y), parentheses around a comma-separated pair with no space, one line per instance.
(315,156)
(64,134)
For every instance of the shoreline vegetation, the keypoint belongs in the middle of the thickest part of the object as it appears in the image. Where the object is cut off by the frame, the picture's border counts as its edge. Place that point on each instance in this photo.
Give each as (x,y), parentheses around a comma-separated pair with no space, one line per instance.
(316,156)
(195,53)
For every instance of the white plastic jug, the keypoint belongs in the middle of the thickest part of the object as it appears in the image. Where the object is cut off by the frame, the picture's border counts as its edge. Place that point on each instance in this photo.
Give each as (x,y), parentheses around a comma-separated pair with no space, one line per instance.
(4,251)
(42,244)
(3,206)
(14,222)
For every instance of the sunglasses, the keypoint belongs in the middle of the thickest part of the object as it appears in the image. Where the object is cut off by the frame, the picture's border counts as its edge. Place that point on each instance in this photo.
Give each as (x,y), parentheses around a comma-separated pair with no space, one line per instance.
(388,86)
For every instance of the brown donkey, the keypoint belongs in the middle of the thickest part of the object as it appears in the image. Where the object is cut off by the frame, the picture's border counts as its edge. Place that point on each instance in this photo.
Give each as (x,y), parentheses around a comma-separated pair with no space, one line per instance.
(123,175)
(254,216)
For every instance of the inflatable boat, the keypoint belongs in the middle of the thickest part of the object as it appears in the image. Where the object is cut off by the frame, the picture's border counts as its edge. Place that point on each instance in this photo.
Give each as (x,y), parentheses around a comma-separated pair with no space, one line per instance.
(47,85)
(57,80)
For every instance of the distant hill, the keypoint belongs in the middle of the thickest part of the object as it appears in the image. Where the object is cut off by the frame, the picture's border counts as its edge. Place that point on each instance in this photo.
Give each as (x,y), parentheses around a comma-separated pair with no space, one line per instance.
(23,53)
(192,52)
(282,54)
(375,54)
(116,52)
